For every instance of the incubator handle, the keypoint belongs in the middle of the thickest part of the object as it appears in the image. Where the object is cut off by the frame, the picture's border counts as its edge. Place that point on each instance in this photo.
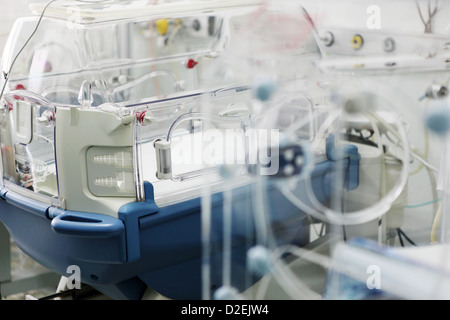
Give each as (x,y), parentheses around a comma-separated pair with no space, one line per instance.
(88,225)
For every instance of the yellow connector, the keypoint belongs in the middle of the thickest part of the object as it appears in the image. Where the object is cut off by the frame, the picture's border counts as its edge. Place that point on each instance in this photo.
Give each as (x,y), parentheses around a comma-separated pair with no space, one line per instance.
(162,26)
(357,42)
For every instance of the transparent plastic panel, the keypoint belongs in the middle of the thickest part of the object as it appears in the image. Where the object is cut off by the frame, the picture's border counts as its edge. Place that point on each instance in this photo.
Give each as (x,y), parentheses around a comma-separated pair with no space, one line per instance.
(28,145)
(9,15)
(125,59)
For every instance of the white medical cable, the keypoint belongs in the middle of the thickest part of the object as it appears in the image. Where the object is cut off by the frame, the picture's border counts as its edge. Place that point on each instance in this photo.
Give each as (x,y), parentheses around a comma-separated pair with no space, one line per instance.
(263,287)
(380,148)
(333,116)
(415,154)
(206,242)
(414,151)
(309,255)
(427,144)
(153,74)
(436,223)
(290,282)
(431,170)
(382,225)
(227,212)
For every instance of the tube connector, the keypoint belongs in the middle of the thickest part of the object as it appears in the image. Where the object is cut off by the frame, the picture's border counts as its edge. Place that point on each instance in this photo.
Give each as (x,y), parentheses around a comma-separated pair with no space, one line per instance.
(163,159)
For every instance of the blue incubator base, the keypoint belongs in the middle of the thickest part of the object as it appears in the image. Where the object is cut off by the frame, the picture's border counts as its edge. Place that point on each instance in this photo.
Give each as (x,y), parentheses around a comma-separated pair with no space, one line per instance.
(154,247)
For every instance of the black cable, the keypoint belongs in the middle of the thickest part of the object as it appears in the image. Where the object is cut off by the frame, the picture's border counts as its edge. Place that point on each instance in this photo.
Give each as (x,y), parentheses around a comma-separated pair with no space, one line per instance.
(358,139)
(400,237)
(70,292)
(406,237)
